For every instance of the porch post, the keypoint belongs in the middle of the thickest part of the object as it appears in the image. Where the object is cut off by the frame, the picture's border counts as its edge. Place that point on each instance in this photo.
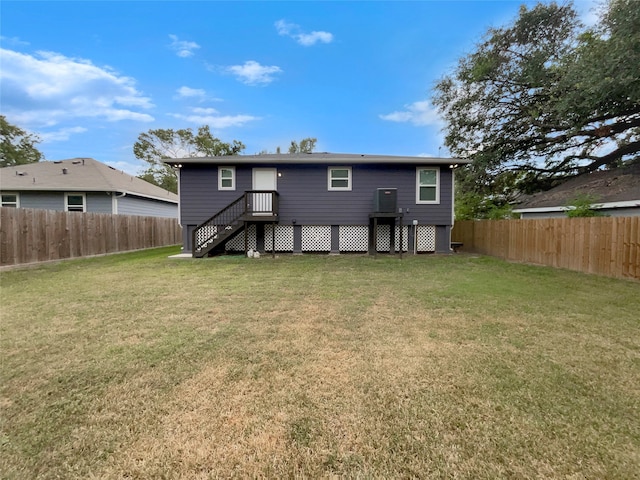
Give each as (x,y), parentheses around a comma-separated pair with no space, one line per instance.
(246,239)
(273,239)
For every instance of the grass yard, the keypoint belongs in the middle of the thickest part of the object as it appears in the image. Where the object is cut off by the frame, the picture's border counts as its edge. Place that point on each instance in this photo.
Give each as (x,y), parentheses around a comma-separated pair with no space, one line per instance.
(138,366)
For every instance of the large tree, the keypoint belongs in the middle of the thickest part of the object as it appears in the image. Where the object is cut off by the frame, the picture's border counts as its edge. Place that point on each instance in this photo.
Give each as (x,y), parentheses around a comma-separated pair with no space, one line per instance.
(17,147)
(155,146)
(544,99)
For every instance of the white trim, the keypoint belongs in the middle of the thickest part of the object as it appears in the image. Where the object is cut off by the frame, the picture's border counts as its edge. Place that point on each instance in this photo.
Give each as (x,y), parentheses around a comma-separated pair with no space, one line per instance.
(437,185)
(349,179)
(453,202)
(595,206)
(75,194)
(233,178)
(17,202)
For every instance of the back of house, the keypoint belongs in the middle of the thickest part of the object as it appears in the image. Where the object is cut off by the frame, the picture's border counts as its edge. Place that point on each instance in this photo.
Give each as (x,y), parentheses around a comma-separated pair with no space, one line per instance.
(316,202)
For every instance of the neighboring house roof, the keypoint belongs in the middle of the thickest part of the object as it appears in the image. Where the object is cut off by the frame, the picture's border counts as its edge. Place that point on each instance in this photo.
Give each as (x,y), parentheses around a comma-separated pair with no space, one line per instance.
(82,175)
(616,188)
(315,158)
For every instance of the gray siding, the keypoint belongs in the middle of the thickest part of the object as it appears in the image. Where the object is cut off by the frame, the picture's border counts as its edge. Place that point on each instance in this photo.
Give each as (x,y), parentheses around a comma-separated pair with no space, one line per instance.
(98,202)
(44,201)
(304,196)
(131,205)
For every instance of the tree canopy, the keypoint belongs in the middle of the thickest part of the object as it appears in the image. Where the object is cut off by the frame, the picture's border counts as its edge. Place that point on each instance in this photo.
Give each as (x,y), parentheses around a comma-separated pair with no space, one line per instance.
(306,145)
(17,147)
(155,146)
(545,99)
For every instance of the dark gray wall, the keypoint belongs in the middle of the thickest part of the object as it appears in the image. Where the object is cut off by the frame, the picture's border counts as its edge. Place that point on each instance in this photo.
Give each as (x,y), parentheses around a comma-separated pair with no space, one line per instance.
(304,195)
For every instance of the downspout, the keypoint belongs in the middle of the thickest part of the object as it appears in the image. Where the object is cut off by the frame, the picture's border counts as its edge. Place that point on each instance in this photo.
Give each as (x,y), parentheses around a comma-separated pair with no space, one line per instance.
(114,201)
(179,198)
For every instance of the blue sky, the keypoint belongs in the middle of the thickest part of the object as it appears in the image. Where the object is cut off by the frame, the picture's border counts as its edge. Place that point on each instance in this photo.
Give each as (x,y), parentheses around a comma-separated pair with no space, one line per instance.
(89,77)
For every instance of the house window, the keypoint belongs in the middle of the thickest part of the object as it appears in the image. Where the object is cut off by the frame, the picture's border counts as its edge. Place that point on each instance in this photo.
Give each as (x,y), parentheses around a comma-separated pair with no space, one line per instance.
(427,185)
(339,178)
(10,200)
(226,178)
(75,202)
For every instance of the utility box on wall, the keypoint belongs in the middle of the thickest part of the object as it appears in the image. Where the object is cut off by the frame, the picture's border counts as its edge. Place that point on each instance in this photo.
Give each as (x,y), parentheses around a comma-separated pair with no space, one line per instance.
(386,200)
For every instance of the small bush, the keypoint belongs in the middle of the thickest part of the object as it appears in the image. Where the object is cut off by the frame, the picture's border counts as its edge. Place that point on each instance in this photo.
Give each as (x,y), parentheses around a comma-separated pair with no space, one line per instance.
(582,206)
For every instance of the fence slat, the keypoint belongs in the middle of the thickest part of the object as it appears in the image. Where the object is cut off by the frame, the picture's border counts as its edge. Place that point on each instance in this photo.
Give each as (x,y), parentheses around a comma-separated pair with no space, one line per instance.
(31,235)
(602,245)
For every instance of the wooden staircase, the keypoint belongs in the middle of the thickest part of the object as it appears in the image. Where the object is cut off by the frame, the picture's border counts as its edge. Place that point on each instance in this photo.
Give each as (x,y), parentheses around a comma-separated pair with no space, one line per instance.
(253,206)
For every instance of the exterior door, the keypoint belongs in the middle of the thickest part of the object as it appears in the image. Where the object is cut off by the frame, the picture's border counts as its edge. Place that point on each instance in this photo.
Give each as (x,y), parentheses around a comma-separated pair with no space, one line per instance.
(264,179)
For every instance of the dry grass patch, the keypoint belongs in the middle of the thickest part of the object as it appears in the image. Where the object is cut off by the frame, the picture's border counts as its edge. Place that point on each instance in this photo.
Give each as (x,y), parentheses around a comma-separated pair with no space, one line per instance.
(436,367)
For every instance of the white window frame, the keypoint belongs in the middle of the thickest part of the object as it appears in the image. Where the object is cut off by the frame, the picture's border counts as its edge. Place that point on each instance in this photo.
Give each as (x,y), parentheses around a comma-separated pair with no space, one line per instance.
(75,194)
(349,179)
(233,178)
(15,204)
(418,185)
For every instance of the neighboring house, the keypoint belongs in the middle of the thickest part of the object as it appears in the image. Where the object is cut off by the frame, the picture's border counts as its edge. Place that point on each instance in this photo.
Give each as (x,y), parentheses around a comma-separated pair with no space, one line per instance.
(316,202)
(83,185)
(616,193)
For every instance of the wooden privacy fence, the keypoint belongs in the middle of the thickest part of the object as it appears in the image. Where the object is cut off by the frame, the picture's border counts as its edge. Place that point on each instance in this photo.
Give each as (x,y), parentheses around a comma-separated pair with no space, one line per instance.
(29,235)
(602,245)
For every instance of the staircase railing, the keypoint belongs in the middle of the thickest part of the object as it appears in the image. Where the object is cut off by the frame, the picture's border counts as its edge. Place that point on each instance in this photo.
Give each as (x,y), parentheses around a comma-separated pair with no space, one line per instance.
(218,228)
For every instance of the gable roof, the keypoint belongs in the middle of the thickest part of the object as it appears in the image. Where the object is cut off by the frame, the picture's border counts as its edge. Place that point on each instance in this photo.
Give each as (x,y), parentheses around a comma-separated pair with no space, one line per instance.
(82,175)
(619,187)
(314,158)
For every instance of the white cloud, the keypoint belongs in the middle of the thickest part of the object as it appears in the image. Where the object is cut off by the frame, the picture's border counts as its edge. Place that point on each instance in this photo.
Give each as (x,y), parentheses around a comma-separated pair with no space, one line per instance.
(211,117)
(60,135)
(312,38)
(15,41)
(252,73)
(204,111)
(191,92)
(182,48)
(47,88)
(306,39)
(418,113)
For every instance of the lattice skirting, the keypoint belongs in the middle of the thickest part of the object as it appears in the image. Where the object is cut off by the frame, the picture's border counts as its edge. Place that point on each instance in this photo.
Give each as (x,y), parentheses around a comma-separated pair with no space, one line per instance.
(384,238)
(283,238)
(426,236)
(236,244)
(204,233)
(353,238)
(316,238)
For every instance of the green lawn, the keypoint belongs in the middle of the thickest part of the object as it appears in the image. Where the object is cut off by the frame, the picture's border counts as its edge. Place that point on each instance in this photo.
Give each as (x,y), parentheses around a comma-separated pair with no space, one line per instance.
(140,366)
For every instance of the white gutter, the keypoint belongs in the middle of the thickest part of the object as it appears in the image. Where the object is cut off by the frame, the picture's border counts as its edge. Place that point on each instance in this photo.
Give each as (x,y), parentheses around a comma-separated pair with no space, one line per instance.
(595,206)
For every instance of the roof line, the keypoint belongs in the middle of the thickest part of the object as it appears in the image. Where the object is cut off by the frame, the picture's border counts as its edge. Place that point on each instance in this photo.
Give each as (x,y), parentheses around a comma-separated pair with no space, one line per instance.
(565,208)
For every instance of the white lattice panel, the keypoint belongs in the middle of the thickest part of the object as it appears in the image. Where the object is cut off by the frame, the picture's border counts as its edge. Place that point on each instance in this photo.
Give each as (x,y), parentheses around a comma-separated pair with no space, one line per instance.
(283,237)
(353,238)
(426,238)
(236,244)
(204,233)
(384,238)
(316,238)
(405,238)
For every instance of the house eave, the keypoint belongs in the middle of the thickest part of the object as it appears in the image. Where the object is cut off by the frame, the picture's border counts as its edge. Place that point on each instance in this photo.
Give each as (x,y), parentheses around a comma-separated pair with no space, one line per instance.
(595,206)
(314,159)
